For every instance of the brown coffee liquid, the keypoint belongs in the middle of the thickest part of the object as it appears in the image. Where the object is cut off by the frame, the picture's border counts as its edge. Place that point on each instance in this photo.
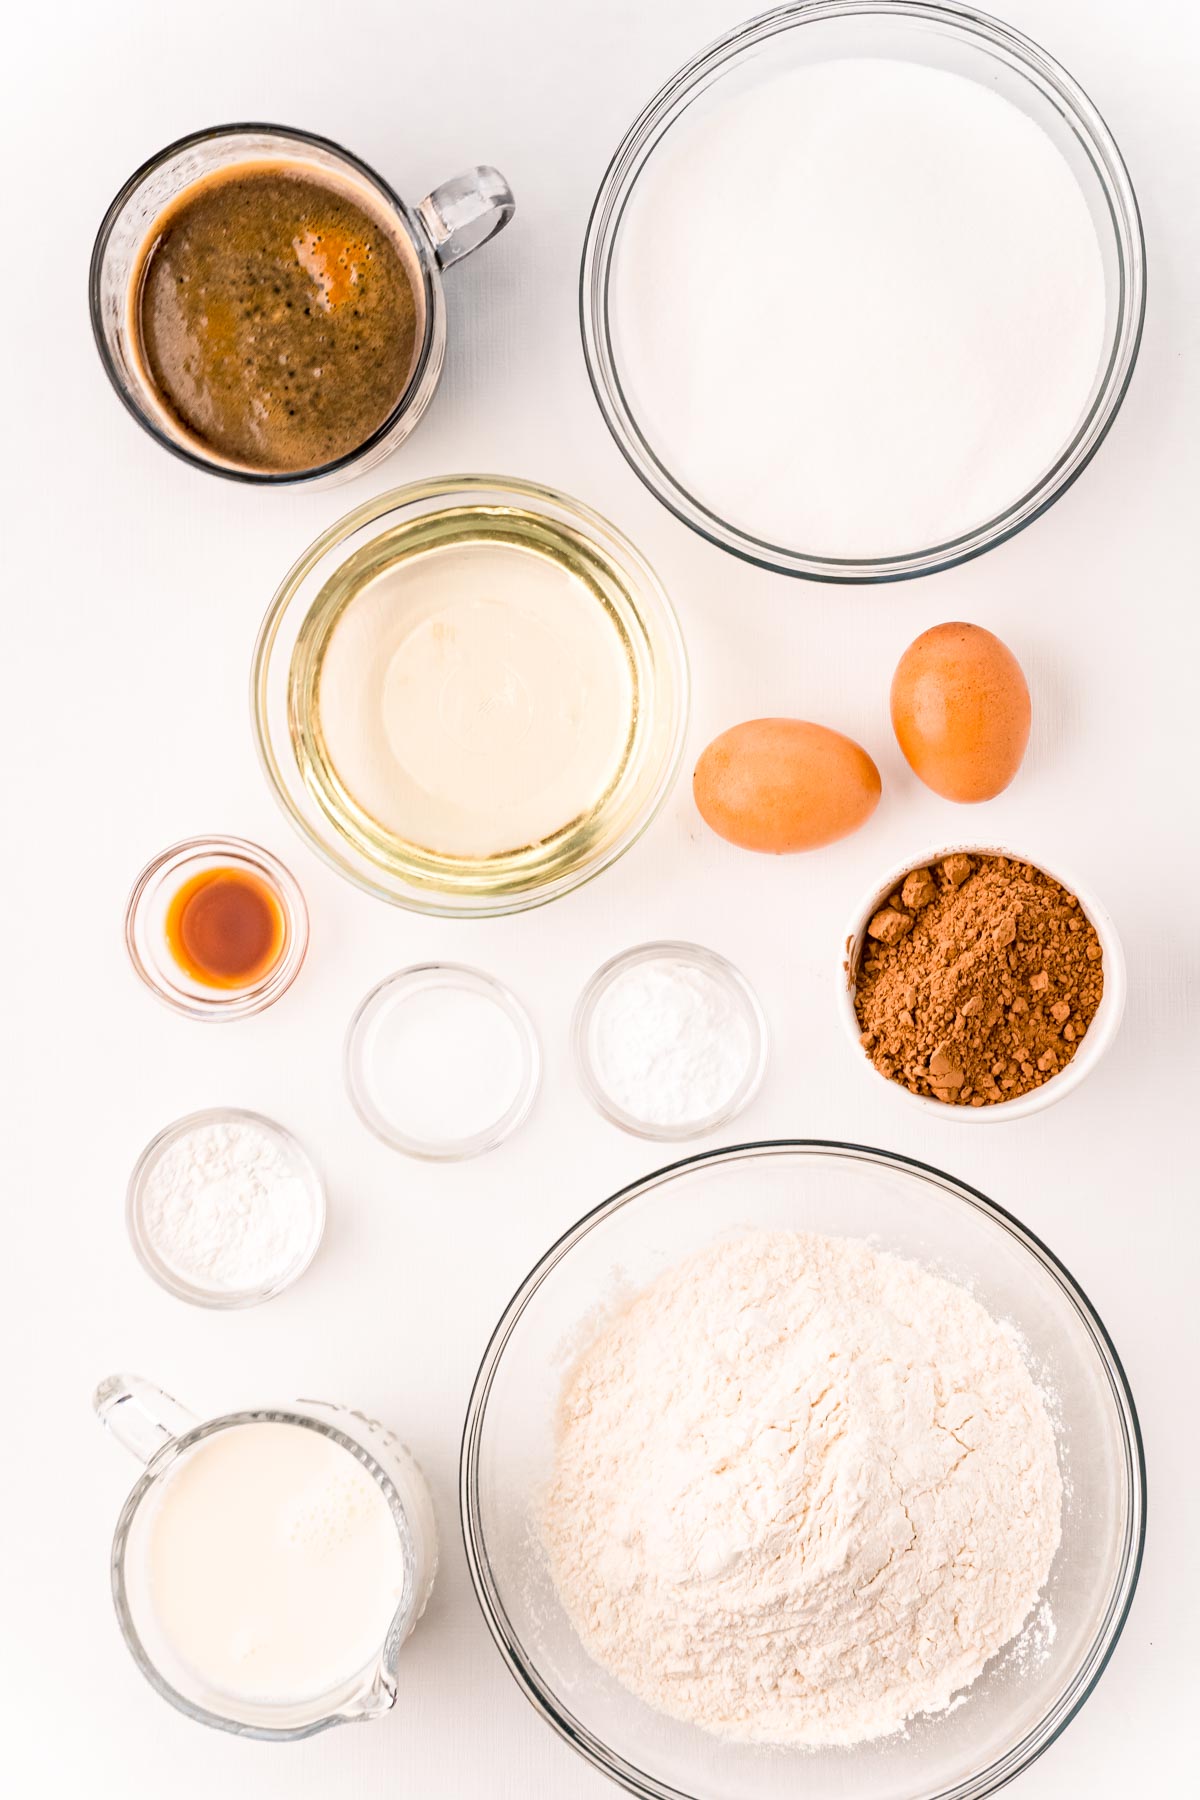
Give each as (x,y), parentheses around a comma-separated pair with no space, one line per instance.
(277,318)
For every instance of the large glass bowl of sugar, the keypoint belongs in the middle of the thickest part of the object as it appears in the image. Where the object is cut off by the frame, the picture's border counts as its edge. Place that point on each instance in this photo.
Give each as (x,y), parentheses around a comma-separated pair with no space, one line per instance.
(1027,1694)
(863,288)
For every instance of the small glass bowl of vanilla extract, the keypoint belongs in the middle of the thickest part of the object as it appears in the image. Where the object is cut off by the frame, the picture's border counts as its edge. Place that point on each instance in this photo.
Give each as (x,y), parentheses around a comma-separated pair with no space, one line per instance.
(216,927)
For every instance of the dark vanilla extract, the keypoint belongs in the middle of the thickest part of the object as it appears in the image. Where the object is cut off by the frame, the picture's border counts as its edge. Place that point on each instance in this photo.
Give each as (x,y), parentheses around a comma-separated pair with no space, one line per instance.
(225,928)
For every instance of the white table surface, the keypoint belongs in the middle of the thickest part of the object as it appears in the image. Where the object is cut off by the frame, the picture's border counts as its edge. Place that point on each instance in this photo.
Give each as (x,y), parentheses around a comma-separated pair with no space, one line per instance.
(134,591)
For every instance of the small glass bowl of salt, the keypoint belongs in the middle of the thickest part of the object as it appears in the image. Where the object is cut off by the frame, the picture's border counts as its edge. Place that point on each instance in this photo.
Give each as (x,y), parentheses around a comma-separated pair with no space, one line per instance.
(442,1062)
(670,1041)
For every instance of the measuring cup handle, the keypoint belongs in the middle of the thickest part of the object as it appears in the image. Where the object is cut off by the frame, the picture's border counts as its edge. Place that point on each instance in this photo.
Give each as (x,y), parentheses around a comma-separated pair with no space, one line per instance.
(139,1415)
(464,213)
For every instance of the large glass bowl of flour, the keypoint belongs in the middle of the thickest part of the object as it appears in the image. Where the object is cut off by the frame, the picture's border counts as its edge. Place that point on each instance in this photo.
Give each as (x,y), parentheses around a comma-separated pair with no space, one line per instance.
(863,288)
(1027,1693)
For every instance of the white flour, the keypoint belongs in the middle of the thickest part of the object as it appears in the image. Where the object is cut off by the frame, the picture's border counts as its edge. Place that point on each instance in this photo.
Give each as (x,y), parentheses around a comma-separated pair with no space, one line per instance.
(669,1043)
(803,1491)
(226,1208)
(858,307)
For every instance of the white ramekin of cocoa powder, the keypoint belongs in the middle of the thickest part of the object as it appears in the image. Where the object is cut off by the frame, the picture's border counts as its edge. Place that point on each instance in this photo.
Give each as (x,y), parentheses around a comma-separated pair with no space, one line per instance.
(980,983)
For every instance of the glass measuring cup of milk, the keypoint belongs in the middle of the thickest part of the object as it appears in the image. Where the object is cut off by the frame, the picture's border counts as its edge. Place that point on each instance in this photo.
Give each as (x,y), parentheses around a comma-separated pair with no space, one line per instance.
(269,1564)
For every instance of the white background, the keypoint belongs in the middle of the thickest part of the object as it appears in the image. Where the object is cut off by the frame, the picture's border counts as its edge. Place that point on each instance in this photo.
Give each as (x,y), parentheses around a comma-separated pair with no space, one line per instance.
(133,588)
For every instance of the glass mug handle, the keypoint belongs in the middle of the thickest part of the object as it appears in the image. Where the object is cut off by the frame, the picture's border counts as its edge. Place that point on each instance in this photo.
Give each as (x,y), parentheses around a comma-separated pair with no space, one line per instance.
(464,213)
(140,1416)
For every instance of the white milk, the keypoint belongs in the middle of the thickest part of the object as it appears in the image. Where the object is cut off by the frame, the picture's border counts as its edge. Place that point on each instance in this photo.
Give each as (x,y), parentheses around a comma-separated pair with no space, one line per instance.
(271,1565)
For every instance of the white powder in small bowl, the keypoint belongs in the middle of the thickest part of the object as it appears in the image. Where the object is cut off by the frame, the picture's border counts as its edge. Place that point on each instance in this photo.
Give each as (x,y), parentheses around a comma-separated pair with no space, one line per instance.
(227,1205)
(671,1040)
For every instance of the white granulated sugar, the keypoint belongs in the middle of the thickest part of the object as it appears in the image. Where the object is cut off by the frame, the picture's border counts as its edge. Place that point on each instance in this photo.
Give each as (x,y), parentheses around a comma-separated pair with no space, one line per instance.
(669,1043)
(226,1209)
(859,307)
(803,1491)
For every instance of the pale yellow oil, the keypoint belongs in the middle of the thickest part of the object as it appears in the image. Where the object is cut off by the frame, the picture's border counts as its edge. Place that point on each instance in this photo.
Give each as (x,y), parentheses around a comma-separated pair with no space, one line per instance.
(496,840)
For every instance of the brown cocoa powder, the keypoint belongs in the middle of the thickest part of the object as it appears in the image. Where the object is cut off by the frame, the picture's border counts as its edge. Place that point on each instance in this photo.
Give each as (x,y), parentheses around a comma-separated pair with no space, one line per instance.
(977,980)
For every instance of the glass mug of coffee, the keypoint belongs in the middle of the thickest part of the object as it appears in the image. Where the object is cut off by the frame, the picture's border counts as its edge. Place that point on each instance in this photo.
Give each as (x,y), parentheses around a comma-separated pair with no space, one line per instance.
(268,1565)
(270,310)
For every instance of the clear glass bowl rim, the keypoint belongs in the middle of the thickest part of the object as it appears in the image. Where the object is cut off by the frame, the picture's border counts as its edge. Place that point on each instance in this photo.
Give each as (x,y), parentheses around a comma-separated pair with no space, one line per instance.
(448,488)
(225,1003)
(644,1787)
(699,956)
(221,1300)
(459,1149)
(421,249)
(600,241)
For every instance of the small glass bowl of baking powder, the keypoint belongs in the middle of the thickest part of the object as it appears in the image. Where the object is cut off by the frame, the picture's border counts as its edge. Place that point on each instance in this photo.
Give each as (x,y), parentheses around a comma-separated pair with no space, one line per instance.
(670,1041)
(225,1208)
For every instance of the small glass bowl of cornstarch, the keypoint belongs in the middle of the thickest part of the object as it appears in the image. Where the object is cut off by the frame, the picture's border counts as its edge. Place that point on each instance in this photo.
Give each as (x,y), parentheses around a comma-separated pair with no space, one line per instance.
(225,1208)
(670,1041)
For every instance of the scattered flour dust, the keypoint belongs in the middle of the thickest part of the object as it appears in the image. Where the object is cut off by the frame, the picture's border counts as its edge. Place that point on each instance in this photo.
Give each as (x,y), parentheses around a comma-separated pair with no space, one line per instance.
(803,1491)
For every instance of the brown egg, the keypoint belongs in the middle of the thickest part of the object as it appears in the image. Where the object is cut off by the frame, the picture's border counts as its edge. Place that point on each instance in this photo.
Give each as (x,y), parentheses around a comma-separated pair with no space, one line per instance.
(782,784)
(960,711)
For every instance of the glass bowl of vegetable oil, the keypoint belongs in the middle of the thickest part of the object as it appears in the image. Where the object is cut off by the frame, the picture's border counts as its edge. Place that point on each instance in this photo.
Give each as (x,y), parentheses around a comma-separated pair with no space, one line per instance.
(470,695)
